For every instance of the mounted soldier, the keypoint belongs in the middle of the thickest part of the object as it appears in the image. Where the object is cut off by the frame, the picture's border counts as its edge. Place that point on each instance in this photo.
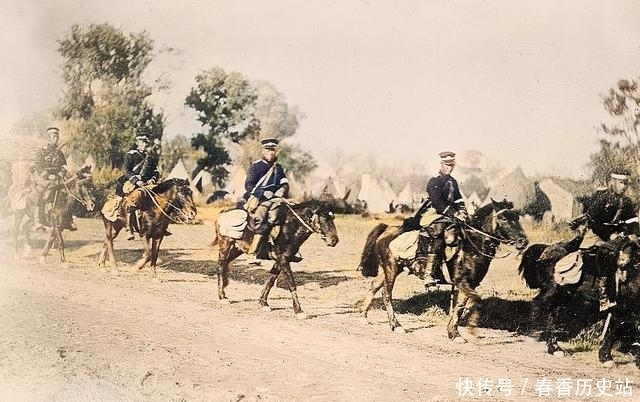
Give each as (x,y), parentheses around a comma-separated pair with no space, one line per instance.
(444,201)
(49,171)
(140,170)
(609,213)
(266,186)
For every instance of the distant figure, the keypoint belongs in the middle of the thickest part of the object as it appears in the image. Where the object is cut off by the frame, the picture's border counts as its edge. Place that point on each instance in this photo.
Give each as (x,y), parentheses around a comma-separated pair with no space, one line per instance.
(266,186)
(49,171)
(444,199)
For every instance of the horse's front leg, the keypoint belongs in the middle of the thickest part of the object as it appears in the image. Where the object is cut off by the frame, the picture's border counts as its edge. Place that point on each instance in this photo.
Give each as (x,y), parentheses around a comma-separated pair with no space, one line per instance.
(460,300)
(227,252)
(146,254)
(275,271)
(58,231)
(285,267)
(155,250)
(48,244)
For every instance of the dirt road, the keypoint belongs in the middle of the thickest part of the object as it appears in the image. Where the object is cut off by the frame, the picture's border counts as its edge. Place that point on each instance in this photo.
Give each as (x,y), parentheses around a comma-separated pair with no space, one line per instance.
(71,332)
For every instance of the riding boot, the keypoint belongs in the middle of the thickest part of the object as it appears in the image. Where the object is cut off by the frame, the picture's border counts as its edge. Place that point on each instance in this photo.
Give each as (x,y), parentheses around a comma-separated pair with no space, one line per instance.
(434,260)
(606,296)
(254,248)
(132,225)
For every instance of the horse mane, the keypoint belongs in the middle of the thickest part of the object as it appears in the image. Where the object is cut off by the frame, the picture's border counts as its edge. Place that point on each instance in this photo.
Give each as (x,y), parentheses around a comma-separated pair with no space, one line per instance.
(482,213)
(167,184)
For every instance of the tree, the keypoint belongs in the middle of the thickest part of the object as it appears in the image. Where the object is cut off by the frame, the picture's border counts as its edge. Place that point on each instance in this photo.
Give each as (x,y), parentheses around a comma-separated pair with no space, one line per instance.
(235,110)
(621,144)
(105,98)
(222,101)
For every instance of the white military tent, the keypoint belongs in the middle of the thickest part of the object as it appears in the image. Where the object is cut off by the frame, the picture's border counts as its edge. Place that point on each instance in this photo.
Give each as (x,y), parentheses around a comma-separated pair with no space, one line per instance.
(179,171)
(374,195)
(235,184)
(202,185)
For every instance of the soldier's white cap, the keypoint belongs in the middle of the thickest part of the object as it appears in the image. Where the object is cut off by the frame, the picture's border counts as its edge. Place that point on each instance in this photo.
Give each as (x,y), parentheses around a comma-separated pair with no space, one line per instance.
(447,157)
(269,143)
(53,130)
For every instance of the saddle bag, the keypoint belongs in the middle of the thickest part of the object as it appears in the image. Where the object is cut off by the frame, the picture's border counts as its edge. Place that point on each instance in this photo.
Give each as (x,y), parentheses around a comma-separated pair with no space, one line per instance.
(232,223)
(406,245)
(568,269)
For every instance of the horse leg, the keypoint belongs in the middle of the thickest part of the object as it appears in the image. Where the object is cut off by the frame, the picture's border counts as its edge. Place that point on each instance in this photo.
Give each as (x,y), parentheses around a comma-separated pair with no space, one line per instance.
(48,244)
(604,352)
(550,332)
(155,250)
(376,284)
(61,244)
(456,312)
(146,255)
(286,269)
(107,248)
(226,254)
(387,296)
(275,271)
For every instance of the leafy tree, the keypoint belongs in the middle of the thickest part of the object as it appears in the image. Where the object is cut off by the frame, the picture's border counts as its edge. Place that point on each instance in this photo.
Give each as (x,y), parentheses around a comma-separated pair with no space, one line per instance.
(222,101)
(105,98)
(235,110)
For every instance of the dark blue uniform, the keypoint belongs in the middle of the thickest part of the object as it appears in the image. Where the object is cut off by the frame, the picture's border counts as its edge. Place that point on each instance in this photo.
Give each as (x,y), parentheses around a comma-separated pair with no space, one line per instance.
(138,166)
(609,212)
(261,187)
(444,195)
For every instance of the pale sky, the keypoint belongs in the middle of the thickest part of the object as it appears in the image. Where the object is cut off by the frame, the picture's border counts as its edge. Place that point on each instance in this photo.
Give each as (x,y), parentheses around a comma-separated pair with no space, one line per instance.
(518,81)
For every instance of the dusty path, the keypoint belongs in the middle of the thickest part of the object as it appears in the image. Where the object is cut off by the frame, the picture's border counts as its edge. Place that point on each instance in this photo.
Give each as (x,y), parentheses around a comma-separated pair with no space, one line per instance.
(74,333)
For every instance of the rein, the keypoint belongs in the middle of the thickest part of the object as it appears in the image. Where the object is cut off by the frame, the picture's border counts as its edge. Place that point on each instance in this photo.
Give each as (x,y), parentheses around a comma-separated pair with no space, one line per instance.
(77,198)
(305,224)
(500,240)
(155,202)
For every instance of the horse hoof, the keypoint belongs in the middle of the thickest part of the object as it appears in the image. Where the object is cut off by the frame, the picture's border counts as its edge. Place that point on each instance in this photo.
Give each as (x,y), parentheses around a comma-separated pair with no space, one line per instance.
(558,353)
(301,316)
(609,364)
(459,339)
(399,330)
(266,309)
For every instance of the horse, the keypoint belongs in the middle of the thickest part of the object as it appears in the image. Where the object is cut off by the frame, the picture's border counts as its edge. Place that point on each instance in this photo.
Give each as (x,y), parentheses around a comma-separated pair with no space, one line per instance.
(298,222)
(489,226)
(538,268)
(170,201)
(77,188)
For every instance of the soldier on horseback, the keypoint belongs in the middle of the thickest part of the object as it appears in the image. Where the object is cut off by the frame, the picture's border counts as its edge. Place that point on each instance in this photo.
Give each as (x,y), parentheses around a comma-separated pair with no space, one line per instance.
(444,200)
(609,214)
(140,169)
(266,186)
(49,171)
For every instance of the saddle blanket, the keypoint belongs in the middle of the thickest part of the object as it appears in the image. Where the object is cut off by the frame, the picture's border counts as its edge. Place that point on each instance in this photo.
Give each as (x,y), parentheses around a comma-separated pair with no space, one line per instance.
(232,223)
(568,269)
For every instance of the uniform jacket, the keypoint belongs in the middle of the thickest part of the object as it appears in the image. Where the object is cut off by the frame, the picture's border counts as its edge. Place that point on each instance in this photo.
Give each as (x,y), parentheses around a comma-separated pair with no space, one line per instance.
(444,194)
(49,160)
(140,165)
(610,213)
(256,185)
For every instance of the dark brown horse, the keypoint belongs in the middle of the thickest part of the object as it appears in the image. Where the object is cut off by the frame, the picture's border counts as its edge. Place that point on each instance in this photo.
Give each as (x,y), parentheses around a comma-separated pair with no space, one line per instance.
(76,188)
(614,260)
(490,226)
(299,221)
(168,202)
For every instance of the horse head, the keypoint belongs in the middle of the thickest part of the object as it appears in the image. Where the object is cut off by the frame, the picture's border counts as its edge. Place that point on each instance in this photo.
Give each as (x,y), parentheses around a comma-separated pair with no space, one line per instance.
(80,186)
(179,198)
(320,219)
(505,224)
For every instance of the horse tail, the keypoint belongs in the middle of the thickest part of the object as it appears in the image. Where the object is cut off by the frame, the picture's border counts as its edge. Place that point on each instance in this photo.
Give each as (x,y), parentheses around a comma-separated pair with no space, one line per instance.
(529,268)
(369,261)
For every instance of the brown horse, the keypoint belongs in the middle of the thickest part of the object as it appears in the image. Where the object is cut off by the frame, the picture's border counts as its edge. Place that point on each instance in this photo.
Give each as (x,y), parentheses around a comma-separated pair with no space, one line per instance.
(168,202)
(299,221)
(490,226)
(77,188)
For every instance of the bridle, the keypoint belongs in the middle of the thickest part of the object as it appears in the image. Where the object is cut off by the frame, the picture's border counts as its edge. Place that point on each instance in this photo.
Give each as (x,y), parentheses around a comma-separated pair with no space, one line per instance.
(78,198)
(313,226)
(501,240)
(153,196)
